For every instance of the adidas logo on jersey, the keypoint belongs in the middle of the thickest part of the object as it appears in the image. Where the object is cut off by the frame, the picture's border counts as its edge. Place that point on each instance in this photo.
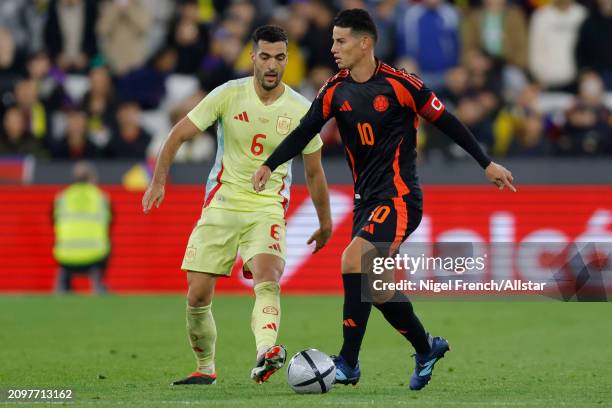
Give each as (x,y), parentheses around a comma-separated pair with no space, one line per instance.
(346,107)
(276,247)
(242,116)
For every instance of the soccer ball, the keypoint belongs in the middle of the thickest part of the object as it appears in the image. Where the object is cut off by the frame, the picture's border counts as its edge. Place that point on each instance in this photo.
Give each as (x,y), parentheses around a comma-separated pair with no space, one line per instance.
(311,372)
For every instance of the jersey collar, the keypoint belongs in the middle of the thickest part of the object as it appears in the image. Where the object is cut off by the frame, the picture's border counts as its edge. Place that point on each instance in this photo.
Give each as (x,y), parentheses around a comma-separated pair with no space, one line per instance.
(378,65)
(279,101)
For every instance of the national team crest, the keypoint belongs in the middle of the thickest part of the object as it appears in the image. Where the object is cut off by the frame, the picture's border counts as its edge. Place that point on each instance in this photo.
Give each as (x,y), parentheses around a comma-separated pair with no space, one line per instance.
(283,124)
(190,255)
(381,103)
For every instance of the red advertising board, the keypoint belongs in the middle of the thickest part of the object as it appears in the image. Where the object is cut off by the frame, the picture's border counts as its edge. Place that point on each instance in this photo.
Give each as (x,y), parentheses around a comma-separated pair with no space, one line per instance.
(148,249)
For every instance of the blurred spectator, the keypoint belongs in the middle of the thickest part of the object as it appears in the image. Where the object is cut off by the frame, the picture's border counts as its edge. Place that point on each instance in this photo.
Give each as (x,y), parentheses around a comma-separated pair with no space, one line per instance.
(316,78)
(332,144)
(520,128)
(11,62)
(208,10)
(456,86)
(552,37)
(201,147)
(24,20)
(428,33)
(48,80)
(76,143)
(473,93)
(163,12)
(384,15)
(81,218)
(318,39)
(100,104)
(147,85)
(217,67)
(129,140)
(594,50)
(15,139)
(242,17)
(484,100)
(588,124)
(188,38)
(498,28)
(69,33)
(33,110)
(455,91)
(123,27)
(485,77)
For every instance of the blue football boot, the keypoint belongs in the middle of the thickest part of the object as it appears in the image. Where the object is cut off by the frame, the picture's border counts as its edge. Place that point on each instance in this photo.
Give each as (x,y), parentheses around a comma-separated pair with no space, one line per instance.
(344,373)
(425,363)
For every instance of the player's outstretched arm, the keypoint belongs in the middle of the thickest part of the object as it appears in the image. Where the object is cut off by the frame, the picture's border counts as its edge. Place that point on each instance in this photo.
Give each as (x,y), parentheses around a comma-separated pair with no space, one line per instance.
(317,186)
(180,133)
(495,173)
(287,150)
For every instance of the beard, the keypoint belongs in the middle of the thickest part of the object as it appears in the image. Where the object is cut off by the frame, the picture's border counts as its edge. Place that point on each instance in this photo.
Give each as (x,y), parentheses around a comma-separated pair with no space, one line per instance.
(268,86)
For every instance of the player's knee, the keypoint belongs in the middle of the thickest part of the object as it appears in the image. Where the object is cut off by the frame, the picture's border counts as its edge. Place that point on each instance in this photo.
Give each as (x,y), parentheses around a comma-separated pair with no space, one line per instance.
(197,298)
(266,268)
(381,296)
(271,274)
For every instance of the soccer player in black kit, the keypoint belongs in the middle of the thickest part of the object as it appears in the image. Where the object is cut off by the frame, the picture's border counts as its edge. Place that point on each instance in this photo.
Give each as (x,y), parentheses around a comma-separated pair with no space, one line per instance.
(377,109)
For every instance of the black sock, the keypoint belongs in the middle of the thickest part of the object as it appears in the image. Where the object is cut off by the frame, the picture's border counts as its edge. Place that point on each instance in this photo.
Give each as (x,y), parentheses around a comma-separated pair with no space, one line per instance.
(399,313)
(355,318)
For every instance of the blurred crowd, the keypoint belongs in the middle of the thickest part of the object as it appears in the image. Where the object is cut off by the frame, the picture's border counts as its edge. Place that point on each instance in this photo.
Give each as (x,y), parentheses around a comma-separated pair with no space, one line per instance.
(107,79)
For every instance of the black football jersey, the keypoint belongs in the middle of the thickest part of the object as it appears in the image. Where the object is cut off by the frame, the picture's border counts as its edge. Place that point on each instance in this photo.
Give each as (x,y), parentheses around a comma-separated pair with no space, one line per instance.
(378,121)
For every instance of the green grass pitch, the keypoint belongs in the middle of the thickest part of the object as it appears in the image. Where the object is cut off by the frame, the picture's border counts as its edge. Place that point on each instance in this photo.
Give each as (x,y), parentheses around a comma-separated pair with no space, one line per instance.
(125,350)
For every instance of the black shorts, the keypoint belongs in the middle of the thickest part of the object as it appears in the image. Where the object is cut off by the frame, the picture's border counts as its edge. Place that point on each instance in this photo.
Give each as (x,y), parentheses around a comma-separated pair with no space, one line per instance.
(86,268)
(386,223)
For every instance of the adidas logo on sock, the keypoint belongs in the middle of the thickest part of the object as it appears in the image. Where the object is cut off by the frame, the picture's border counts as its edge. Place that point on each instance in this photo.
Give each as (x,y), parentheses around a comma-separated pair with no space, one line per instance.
(271,326)
(349,323)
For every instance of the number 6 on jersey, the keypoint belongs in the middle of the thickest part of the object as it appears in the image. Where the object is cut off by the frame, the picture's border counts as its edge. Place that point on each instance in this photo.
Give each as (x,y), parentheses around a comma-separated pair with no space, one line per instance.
(257,148)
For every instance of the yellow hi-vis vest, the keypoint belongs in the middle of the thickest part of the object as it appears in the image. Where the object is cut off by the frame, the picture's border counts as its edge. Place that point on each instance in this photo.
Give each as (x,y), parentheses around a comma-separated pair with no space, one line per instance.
(82,217)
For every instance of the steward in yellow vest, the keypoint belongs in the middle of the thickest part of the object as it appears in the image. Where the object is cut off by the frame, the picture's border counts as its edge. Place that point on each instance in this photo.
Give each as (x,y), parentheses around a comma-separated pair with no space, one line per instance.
(82,218)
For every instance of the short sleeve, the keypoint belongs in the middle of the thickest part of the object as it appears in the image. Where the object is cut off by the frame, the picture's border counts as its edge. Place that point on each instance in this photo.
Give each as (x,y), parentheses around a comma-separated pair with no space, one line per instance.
(312,120)
(315,144)
(209,109)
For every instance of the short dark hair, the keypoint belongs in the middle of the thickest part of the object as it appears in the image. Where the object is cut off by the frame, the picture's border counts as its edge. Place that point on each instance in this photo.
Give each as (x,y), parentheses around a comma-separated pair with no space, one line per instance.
(357,20)
(269,33)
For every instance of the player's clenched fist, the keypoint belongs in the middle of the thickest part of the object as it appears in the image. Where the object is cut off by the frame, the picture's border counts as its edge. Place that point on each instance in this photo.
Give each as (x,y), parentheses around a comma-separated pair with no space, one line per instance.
(260,178)
(153,196)
(500,176)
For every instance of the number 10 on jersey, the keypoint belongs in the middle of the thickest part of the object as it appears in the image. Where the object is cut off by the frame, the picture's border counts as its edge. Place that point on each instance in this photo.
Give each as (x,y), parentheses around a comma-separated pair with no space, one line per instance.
(366,134)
